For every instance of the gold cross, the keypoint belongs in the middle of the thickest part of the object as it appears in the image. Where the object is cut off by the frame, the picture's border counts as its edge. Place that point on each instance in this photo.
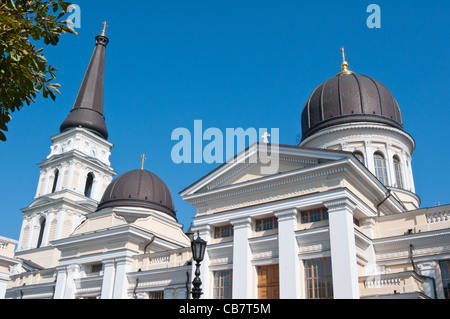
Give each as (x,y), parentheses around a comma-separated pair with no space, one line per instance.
(343,54)
(104,28)
(143,159)
(266,137)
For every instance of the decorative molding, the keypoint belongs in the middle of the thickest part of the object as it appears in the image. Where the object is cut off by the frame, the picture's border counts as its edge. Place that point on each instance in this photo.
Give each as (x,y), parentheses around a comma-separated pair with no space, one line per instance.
(265,254)
(221,260)
(271,185)
(314,247)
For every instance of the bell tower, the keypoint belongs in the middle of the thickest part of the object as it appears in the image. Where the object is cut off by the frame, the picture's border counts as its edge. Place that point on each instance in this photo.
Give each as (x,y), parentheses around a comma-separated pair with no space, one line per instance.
(75,174)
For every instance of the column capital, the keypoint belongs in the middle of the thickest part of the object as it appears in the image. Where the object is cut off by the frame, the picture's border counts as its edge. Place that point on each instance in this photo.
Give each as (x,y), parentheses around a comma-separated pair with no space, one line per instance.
(61,269)
(124,260)
(286,214)
(201,228)
(73,267)
(241,222)
(427,265)
(108,262)
(339,204)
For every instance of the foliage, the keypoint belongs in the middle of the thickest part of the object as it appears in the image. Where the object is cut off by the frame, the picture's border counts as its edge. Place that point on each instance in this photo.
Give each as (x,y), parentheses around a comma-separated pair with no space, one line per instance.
(24,71)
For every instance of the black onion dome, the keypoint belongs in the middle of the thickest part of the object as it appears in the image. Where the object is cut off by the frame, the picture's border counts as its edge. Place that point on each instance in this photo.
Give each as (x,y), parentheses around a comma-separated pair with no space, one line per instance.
(349,98)
(138,188)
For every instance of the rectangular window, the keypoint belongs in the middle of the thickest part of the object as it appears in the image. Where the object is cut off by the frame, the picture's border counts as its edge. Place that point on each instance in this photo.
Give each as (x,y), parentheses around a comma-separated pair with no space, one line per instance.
(398,173)
(223,231)
(266,223)
(314,215)
(96,268)
(318,278)
(445,273)
(222,284)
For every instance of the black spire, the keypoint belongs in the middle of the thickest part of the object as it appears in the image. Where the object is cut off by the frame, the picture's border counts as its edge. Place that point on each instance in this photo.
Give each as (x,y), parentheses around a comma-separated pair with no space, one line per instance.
(87,111)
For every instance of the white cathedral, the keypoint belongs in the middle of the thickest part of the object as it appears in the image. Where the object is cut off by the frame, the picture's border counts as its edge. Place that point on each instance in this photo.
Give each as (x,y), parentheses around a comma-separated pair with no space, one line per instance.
(339,219)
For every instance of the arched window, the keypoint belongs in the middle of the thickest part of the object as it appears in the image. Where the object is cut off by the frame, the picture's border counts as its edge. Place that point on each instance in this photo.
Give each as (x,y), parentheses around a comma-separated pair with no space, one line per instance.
(55,180)
(41,231)
(380,168)
(359,156)
(398,172)
(89,183)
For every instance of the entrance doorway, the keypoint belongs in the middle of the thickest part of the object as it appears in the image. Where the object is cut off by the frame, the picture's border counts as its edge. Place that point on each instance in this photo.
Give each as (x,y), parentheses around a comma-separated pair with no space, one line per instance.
(268,282)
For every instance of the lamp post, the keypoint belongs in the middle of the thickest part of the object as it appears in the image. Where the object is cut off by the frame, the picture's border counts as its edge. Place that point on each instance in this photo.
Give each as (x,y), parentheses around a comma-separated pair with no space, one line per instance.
(198,247)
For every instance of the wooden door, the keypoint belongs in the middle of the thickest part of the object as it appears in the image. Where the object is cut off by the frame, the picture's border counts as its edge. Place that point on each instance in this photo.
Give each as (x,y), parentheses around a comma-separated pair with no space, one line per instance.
(268,282)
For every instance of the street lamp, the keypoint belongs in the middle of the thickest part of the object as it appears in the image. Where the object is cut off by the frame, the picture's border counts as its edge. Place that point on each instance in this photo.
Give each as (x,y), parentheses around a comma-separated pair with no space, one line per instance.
(198,247)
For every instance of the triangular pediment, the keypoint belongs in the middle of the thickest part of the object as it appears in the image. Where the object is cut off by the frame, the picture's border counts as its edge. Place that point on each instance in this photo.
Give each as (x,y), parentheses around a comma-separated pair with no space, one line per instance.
(260,161)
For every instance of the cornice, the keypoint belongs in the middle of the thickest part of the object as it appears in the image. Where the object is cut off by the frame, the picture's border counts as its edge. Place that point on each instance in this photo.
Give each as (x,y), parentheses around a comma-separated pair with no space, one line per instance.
(80,130)
(60,159)
(270,182)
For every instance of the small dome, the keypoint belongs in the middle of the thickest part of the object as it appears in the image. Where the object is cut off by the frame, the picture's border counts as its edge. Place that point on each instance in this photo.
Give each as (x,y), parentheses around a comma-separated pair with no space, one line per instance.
(138,188)
(349,98)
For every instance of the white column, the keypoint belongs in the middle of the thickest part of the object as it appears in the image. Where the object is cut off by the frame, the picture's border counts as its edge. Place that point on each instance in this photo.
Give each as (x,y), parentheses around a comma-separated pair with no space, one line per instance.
(41,180)
(428,269)
(392,181)
(60,219)
(4,278)
(369,156)
(289,273)
(96,188)
(411,176)
(32,230)
(82,179)
(73,272)
(22,245)
(48,182)
(242,257)
(343,249)
(108,279)
(61,279)
(121,284)
(368,226)
(62,172)
(404,166)
(48,224)
(205,233)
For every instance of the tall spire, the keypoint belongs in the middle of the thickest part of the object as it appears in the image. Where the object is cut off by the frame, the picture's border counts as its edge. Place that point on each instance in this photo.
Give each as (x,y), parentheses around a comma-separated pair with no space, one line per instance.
(87,111)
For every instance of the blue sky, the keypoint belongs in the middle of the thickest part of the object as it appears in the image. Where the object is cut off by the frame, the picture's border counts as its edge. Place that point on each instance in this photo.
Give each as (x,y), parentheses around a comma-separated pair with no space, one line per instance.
(234,64)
